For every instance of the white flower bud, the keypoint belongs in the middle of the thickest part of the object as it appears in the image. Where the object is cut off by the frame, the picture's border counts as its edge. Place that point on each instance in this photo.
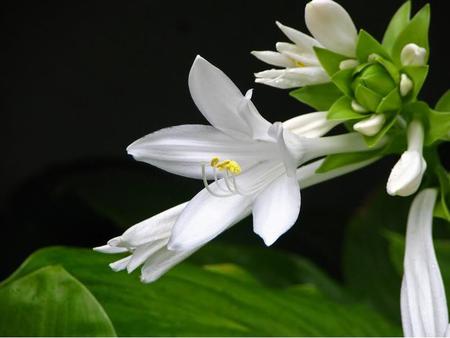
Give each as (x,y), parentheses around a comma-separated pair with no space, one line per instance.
(413,55)
(348,64)
(370,126)
(405,85)
(358,108)
(310,125)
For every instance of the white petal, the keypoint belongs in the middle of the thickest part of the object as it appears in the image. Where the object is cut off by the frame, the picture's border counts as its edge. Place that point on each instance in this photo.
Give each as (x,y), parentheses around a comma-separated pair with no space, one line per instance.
(413,55)
(406,85)
(217,97)
(293,77)
(276,209)
(121,264)
(303,41)
(332,26)
(182,149)
(406,175)
(371,125)
(110,249)
(143,252)
(295,53)
(273,58)
(152,229)
(423,300)
(310,125)
(161,262)
(205,217)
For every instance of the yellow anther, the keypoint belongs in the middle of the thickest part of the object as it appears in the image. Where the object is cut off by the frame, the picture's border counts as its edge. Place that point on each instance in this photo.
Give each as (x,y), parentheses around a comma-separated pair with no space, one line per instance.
(229,165)
(299,64)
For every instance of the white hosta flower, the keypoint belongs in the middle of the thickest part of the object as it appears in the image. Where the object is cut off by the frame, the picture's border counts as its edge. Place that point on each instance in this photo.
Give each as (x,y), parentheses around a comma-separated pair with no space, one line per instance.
(331,27)
(251,162)
(413,55)
(310,125)
(406,175)
(423,301)
(370,126)
(147,241)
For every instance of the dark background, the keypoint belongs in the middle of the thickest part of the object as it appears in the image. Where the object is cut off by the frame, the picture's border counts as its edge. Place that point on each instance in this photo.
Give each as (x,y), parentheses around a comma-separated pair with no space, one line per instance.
(81,81)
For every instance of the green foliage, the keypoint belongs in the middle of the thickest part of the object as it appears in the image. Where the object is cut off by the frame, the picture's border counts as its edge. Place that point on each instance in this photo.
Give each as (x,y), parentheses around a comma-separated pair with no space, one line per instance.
(439,126)
(367,45)
(415,32)
(342,110)
(373,140)
(50,302)
(341,160)
(321,97)
(390,103)
(444,102)
(397,24)
(343,80)
(418,76)
(213,300)
(442,210)
(329,60)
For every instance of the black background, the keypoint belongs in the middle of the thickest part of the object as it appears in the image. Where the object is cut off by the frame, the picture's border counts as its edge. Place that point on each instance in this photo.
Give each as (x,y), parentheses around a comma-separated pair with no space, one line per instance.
(82,80)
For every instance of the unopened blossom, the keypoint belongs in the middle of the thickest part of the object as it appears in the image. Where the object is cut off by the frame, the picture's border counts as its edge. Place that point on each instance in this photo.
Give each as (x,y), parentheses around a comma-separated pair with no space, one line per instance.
(331,28)
(423,300)
(147,241)
(406,175)
(413,55)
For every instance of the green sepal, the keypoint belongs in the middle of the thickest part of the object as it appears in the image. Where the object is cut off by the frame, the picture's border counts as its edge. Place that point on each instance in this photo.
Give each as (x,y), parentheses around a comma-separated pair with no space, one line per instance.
(444,102)
(367,97)
(418,76)
(415,32)
(397,24)
(329,60)
(367,45)
(343,80)
(390,68)
(391,102)
(342,110)
(336,161)
(373,140)
(321,97)
(438,126)
(441,209)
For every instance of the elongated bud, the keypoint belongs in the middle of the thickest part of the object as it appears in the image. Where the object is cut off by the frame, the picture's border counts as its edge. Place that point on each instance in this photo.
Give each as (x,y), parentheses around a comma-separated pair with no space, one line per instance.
(348,64)
(405,85)
(413,55)
(406,175)
(310,125)
(370,126)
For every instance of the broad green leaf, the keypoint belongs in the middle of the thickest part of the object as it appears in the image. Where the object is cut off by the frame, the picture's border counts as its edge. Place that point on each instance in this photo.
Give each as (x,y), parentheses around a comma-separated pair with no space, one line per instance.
(193,301)
(368,271)
(329,60)
(444,102)
(390,103)
(50,302)
(367,45)
(341,160)
(415,32)
(342,110)
(397,24)
(320,97)
(439,126)
(373,140)
(418,76)
(343,80)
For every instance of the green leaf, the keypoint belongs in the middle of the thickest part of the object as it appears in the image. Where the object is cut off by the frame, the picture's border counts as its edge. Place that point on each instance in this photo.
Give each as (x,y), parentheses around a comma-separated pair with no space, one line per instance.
(343,80)
(329,60)
(50,302)
(367,97)
(444,102)
(418,76)
(373,140)
(390,103)
(415,32)
(320,97)
(368,272)
(342,110)
(367,45)
(341,160)
(193,301)
(439,126)
(441,209)
(397,24)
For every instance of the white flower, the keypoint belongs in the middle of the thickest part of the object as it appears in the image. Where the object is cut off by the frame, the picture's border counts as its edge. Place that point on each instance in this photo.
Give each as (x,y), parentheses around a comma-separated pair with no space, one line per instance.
(406,175)
(423,301)
(310,125)
(413,55)
(371,125)
(331,27)
(147,241)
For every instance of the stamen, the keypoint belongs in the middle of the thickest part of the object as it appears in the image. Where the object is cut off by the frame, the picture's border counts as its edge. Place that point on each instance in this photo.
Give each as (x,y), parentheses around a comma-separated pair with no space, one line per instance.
(229,167)
(205,182)
(299,64)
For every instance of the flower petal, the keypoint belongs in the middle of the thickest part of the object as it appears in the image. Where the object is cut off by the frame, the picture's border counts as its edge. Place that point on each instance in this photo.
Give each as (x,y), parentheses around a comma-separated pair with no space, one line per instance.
(273,58)
(292,77)
(423,301)
(303,41)
(108,249)
(143,252)
(332,26)
(310,125)
(205,217)
(183,149)
(276,209)
(294,52)
(217,98)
